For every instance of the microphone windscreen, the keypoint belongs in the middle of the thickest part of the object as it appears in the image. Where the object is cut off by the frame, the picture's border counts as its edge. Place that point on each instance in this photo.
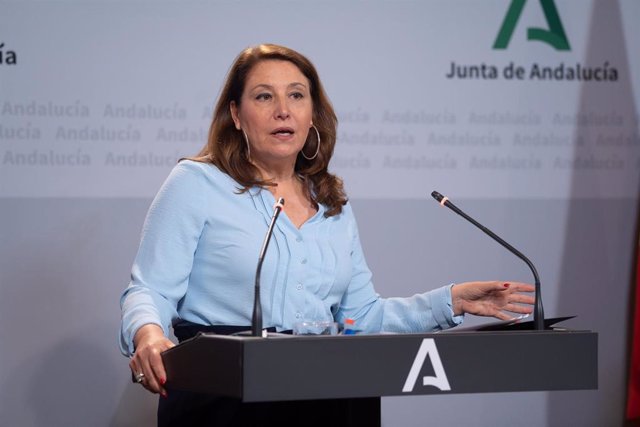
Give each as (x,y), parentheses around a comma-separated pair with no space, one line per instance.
(437,196)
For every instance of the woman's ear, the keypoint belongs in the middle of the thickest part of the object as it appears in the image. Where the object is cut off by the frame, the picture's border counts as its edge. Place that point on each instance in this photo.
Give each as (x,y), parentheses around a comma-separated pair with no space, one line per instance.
(234,114)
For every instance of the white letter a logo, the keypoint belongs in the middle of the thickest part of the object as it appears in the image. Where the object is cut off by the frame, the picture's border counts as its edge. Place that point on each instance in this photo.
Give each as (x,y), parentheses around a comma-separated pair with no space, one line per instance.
(428,347)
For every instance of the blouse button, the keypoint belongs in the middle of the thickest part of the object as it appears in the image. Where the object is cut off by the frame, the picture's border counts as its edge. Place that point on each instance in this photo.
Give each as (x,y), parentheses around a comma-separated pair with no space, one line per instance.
(304,261)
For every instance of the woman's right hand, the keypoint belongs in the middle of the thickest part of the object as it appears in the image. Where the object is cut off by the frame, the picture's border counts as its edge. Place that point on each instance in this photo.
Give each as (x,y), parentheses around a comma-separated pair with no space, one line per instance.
(149,343)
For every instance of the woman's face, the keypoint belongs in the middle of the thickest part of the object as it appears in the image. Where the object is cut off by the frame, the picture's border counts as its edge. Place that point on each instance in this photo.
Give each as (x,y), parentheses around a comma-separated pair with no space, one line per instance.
(275,112)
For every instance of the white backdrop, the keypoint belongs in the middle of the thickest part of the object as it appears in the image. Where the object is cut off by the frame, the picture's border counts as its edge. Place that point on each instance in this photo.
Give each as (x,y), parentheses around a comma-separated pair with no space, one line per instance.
(126,88)
(105,96)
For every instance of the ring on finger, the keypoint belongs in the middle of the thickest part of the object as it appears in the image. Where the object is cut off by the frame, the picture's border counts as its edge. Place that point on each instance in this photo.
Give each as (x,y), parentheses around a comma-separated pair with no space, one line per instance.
(139,377)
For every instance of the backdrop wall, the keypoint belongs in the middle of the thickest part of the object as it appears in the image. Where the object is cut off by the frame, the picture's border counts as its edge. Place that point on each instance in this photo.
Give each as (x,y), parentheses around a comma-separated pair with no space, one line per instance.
(539,139)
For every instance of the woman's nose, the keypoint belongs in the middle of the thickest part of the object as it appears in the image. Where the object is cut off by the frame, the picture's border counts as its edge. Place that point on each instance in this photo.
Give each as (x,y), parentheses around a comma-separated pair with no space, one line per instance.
(282,109)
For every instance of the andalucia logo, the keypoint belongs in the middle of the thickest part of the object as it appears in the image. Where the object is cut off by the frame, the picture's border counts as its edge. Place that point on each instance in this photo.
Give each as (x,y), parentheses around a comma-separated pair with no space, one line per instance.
(554,36)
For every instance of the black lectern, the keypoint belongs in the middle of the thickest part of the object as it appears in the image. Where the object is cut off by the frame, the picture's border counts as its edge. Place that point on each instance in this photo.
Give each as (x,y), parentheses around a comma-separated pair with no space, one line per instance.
(370,366)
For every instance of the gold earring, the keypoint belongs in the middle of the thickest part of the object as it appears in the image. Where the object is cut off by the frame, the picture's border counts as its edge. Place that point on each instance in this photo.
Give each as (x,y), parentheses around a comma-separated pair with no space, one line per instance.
(246,139)
(317,146)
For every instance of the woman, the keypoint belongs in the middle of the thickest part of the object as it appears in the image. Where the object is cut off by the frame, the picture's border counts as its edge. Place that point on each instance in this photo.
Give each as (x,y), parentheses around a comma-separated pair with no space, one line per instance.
(272,135)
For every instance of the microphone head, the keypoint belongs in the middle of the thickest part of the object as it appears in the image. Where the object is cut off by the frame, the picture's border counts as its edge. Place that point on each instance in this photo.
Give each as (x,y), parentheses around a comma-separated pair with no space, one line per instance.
(279,204)
(437,196)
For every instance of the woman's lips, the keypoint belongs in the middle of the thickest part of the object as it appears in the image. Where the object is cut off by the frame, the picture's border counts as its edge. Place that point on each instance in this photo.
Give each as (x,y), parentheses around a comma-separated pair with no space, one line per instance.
(283,131)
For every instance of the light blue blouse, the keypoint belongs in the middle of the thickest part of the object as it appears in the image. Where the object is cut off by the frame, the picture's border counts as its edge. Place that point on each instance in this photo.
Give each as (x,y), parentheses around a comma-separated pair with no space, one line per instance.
(199,250)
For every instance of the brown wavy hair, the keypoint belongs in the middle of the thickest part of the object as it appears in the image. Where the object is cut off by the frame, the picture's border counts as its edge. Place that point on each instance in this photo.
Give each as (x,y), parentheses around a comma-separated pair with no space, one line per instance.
(226,147)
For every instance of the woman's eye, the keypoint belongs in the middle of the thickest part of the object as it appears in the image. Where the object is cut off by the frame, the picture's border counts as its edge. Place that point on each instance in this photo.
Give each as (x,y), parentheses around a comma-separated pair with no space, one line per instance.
(263,96)
(297,95)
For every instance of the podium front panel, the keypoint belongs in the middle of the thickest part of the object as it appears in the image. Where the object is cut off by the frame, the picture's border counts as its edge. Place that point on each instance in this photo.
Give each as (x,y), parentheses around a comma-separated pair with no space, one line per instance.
(323,367)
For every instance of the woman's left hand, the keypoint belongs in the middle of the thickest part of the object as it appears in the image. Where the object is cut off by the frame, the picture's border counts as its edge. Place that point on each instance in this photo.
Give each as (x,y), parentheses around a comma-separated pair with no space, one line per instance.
(492,299)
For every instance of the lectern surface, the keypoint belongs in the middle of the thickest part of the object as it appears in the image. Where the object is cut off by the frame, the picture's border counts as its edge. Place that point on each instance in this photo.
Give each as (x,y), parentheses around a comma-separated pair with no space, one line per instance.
(324,367)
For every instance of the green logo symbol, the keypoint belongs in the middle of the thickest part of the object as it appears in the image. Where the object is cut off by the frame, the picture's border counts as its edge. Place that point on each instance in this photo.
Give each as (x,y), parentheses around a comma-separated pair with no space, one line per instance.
(554,36)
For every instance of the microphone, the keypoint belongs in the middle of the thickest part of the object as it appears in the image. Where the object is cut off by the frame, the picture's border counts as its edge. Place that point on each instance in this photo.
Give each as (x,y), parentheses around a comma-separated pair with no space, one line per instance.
(256,321)
(538,313)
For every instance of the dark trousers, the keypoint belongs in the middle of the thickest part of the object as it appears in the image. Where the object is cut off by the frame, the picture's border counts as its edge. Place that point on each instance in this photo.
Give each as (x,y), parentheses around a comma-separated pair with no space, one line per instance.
(194,409)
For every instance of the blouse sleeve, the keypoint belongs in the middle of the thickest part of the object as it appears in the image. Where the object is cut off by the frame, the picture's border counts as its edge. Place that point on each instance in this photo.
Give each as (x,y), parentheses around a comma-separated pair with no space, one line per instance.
(423,312)
(161,269)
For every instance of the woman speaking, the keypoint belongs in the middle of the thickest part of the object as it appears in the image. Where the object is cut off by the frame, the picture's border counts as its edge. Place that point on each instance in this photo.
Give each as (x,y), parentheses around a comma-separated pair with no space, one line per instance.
(273,134)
